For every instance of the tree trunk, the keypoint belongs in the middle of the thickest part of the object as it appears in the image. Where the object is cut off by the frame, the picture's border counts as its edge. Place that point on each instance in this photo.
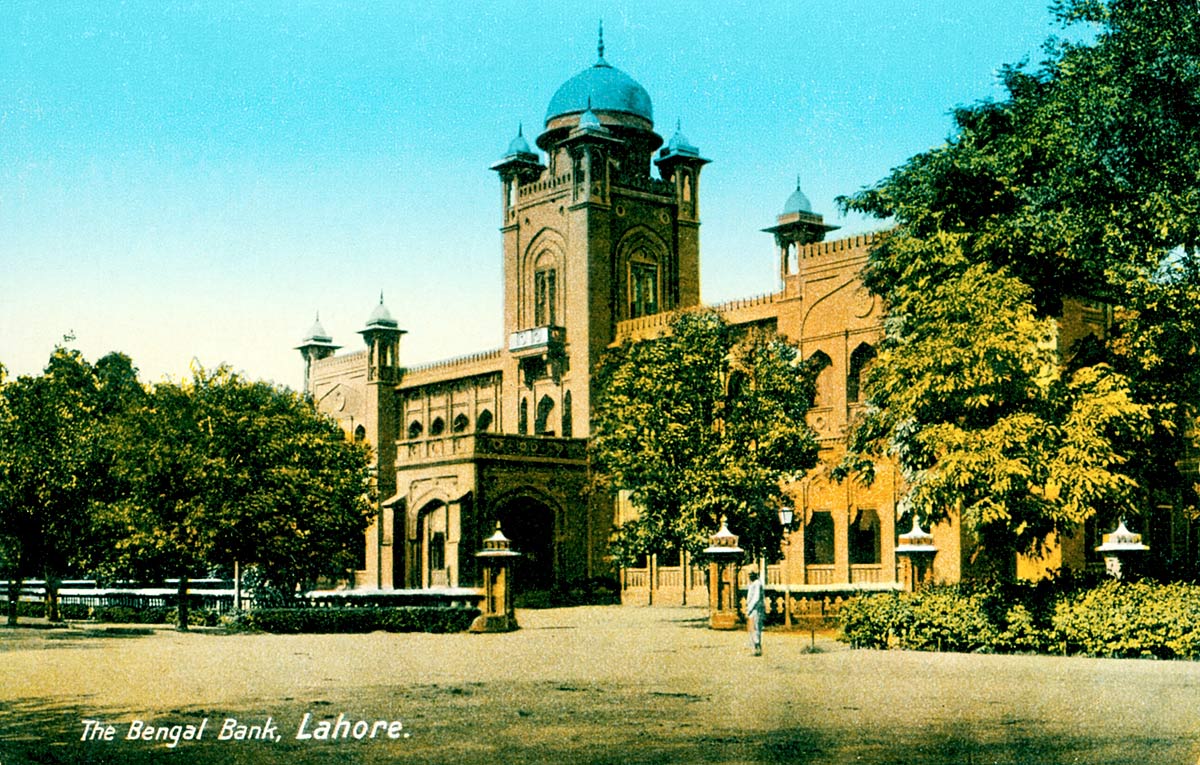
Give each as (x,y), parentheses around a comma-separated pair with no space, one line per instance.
(183,603)
(51,596)
(14,597)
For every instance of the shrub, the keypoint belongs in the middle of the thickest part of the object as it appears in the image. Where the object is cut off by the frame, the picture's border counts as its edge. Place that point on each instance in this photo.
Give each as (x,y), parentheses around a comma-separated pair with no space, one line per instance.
(347,620)
(131,615)
(74,611)
(1131,619)
(874,621)
(29,608)
(947,619)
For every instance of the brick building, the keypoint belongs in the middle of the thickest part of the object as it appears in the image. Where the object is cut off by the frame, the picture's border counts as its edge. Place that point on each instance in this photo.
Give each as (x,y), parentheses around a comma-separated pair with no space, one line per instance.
(600,242)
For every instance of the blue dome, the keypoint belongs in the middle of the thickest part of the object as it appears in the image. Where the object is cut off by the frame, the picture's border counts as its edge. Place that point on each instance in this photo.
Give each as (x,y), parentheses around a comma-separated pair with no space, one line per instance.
(317,333)
(589,121)
(518,145)
(679,144)
(381,317)
(608,88)
(797,202)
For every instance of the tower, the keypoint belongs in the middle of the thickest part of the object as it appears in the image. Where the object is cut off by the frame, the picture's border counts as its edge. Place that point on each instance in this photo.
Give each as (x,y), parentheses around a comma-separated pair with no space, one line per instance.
(316,345)
(591,239)
(382,337)
(795,227)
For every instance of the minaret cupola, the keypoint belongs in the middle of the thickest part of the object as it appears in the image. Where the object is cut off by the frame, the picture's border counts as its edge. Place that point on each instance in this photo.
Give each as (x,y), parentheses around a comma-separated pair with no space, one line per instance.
(795,227)
(382,336)
(316,345)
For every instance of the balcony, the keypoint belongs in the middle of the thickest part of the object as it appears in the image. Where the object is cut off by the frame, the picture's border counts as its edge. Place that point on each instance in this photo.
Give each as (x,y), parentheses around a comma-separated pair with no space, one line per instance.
(490,446)
(537,341)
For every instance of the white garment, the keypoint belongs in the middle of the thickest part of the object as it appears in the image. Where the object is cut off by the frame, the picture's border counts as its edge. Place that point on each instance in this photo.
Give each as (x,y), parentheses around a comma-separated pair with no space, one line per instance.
(756,613)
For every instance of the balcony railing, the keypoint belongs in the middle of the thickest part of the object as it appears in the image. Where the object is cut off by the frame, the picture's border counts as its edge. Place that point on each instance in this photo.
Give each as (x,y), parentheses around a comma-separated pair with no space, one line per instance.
(537,340)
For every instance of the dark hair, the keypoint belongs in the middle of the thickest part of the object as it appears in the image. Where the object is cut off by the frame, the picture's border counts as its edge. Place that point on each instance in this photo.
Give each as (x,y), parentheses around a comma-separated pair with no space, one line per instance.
(753,575)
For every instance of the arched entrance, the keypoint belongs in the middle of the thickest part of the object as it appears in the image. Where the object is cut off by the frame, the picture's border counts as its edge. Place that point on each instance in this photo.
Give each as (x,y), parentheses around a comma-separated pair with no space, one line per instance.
(529,523)
(433,535)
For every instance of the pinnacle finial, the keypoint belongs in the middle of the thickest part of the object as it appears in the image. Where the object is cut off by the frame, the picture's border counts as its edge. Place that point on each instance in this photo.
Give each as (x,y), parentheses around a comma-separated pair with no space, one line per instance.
(797,180)
(380,297)
(520,130)
(600,47)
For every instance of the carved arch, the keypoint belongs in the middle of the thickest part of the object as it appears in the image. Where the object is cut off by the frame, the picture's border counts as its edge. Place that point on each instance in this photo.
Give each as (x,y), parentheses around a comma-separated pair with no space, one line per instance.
(541,278)
(642,253)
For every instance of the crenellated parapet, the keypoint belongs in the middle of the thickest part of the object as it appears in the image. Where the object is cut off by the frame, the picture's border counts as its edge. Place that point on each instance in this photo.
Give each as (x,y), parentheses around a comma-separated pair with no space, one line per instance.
(845,244)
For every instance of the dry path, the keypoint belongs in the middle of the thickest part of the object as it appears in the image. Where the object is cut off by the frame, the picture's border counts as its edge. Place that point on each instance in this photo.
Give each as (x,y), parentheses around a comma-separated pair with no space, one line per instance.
(616,685)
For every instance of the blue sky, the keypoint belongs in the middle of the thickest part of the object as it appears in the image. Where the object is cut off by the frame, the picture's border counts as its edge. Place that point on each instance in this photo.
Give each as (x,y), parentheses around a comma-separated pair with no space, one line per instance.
(186,180)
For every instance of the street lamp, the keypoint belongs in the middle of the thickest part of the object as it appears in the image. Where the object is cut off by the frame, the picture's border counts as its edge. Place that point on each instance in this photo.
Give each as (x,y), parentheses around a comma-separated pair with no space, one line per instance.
(785,521)
(1119,548)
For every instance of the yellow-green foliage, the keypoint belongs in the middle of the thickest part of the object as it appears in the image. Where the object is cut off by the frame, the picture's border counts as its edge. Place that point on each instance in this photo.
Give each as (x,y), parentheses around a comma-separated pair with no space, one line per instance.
(1132,619)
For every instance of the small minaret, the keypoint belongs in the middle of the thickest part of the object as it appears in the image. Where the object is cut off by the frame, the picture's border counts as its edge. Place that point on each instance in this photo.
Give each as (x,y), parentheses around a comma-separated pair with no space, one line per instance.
(520,165)
(382,336)
(679,163)
(795,227)
(315,346)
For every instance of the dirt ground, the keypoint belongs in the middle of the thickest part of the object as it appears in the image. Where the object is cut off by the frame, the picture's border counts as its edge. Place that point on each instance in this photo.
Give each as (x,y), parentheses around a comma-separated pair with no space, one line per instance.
(582,685)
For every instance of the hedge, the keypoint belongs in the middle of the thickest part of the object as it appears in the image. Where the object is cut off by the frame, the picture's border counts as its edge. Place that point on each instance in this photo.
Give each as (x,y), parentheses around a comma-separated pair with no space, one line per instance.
(1137,619)
(404,619)
(1115,619)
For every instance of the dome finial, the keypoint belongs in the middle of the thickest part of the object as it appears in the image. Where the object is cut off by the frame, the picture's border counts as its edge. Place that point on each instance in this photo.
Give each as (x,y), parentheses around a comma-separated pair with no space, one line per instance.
(600,47)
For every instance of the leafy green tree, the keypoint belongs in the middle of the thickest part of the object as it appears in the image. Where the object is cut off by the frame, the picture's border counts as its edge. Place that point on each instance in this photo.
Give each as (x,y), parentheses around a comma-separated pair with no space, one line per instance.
(51,471)
(704,422)
(969,397)
(219,469)
(1081,183)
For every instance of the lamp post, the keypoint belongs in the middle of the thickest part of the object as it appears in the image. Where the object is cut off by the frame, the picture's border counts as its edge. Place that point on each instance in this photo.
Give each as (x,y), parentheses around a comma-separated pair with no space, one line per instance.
(1118,549)
(723,555)
(917,546)
(497,556)
(785,521)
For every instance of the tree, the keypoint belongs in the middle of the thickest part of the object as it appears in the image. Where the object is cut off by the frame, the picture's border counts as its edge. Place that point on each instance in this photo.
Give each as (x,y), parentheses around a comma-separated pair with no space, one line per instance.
(969,397)
(704,422)
(1081,183)
(219,470)
(51,471)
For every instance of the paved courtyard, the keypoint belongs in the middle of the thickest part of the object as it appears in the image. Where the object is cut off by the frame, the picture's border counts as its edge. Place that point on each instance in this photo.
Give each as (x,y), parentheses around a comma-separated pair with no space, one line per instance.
(582,685)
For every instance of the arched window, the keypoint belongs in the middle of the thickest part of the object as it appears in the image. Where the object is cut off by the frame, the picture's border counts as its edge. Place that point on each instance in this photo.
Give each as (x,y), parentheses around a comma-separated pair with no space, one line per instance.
(820,363)
(864,538)
(643,285)
(859,359)
(437,427)
(545,291)
(542,425)
(567,427)
(523,417)
(483,423)
(360,434)
(460,423)
(415,429)
(818,539)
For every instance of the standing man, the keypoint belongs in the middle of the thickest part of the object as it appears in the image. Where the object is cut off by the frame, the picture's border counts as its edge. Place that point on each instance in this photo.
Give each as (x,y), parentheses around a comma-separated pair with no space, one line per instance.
(756,612)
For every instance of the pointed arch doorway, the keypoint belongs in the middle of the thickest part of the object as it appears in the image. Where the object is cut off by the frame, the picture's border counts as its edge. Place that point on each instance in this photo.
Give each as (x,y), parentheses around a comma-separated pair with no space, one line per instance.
(530,524)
